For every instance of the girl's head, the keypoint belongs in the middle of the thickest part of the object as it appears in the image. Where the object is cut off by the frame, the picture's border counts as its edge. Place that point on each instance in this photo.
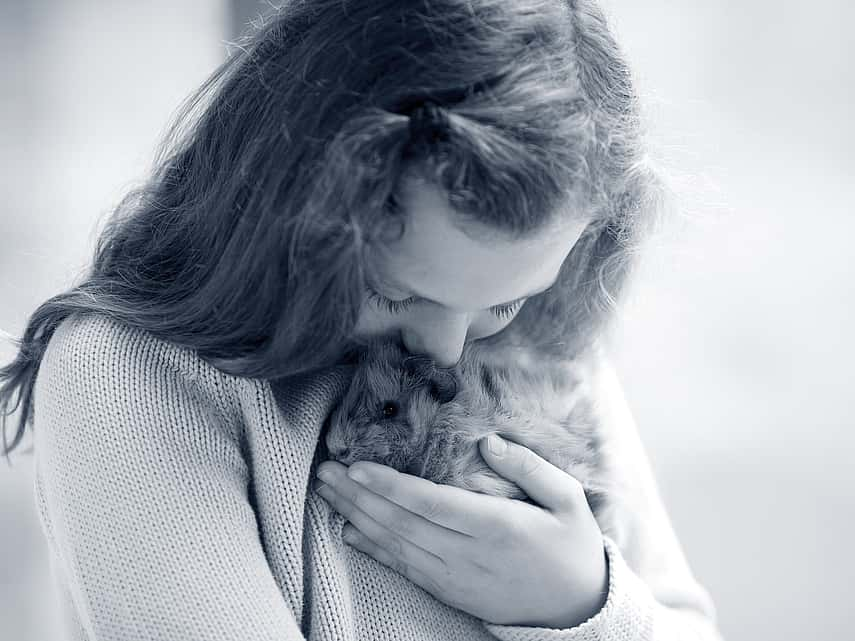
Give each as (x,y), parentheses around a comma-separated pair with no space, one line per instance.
(444,283)
(292,192)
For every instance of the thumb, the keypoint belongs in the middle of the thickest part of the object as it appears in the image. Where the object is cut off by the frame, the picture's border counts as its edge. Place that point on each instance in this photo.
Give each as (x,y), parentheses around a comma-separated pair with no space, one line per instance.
(549,486)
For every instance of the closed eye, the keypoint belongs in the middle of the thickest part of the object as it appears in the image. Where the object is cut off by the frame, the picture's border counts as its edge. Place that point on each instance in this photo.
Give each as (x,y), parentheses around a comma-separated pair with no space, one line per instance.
(389,305)
(508,309)
(398,306)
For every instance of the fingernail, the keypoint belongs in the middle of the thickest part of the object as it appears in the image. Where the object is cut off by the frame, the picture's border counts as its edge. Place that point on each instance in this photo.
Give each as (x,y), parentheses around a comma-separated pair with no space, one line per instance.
(496,444)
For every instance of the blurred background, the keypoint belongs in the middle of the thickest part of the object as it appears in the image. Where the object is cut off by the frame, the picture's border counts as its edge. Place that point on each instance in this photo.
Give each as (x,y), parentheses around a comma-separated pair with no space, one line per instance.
(734,346)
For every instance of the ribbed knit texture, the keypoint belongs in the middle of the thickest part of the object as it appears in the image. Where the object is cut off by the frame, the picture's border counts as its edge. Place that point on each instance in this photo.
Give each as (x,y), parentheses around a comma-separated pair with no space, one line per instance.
(176,505)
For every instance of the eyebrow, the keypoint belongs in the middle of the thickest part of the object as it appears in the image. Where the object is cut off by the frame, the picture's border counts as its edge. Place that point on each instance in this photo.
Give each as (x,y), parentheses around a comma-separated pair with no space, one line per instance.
(414,294)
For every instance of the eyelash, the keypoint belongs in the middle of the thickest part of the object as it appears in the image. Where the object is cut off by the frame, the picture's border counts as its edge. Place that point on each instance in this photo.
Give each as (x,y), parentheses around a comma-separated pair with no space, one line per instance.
(391,306)
(399,306)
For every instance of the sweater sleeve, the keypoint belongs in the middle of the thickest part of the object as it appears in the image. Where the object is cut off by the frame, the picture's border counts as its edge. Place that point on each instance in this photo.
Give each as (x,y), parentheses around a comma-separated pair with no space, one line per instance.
(653,595)
(142,493)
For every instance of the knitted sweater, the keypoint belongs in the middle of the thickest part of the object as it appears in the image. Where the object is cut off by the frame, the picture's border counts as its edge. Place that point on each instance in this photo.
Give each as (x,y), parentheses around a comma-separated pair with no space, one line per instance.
(176,504)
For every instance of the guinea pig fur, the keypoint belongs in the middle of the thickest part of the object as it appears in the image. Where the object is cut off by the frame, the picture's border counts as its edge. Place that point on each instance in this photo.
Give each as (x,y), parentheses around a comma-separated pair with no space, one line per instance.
(402,411)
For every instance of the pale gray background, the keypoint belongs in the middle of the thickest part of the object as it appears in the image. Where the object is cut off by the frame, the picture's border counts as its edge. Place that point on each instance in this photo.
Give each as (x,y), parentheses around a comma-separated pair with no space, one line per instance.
(734,349)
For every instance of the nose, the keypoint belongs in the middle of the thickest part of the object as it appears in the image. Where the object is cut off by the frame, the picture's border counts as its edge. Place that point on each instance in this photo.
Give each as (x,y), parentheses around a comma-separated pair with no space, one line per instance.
(442,340)
(339,453)
(336,449)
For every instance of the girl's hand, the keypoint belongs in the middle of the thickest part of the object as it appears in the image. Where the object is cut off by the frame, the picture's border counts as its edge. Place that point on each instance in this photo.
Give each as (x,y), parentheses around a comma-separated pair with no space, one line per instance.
(502,560)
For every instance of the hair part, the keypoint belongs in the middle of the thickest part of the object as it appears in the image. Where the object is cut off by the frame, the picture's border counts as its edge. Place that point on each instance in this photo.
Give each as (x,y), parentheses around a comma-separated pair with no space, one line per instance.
(248,241)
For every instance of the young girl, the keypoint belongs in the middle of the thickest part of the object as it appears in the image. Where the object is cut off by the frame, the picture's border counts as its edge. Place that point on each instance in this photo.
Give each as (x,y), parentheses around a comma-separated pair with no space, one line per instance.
(434,172)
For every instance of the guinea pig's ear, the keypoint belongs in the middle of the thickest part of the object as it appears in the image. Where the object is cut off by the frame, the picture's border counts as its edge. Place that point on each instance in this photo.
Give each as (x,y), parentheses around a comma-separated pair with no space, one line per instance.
(443,386)
(419,366)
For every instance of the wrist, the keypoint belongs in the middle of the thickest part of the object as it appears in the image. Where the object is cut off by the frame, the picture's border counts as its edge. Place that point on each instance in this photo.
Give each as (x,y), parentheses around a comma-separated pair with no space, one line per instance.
(584,608)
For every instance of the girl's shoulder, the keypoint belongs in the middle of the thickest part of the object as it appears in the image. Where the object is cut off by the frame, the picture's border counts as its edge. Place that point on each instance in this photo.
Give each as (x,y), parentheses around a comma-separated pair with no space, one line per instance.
(93,356)
(97,341)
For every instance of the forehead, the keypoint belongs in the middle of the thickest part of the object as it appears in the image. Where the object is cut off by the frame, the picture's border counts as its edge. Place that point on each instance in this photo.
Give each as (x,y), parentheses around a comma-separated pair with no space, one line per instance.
(469,270)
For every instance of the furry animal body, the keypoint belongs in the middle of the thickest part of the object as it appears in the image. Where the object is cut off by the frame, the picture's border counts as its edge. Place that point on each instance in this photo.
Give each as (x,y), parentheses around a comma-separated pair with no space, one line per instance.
(403,412)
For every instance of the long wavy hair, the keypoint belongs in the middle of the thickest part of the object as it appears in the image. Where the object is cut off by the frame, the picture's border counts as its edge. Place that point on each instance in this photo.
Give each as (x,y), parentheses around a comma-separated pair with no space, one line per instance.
(248,241)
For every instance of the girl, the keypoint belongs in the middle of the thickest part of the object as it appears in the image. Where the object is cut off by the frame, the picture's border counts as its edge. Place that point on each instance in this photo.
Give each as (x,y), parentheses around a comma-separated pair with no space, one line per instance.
(434,172)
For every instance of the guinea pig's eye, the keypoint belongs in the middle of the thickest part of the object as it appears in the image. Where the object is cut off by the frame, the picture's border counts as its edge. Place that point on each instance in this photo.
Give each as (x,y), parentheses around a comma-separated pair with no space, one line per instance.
(390,409)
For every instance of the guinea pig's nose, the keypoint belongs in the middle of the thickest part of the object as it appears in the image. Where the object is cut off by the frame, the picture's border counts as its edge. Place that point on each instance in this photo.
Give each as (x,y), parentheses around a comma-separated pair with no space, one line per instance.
(339,453)
(443,385)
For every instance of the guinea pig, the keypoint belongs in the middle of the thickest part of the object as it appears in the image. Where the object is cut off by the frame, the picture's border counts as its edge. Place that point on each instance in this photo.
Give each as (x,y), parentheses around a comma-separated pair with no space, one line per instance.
(404,412)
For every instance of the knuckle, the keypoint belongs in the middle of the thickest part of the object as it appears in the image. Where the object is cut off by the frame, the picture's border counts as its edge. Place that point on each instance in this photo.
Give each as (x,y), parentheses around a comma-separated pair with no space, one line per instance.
(356,497)
(448,584)
(530,464)
(352,501)
(577,490)
(400,567)
(404,528)
(431,509)
(576,497)
(395,546)
(436,589)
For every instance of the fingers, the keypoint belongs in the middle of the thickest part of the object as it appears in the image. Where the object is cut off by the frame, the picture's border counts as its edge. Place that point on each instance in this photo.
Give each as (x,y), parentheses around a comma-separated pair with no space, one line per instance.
(418,541)
(453,508)
(546,484)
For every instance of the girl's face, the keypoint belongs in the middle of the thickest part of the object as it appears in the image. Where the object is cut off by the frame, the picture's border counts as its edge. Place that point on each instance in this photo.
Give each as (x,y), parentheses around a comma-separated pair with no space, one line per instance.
(438,288)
